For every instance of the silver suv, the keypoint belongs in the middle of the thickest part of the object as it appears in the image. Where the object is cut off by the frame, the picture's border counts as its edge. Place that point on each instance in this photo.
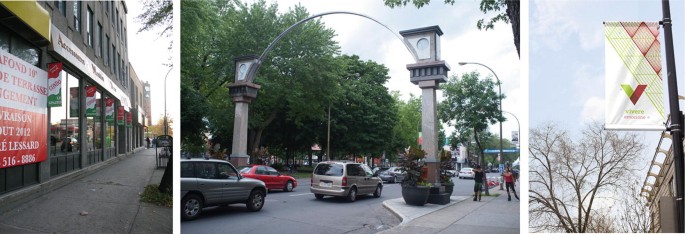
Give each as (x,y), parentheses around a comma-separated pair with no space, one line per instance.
(344,179)
(214,182)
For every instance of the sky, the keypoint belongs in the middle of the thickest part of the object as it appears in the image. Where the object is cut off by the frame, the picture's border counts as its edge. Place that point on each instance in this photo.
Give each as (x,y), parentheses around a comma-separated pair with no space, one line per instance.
(149,55)
(566,67)
(461,41)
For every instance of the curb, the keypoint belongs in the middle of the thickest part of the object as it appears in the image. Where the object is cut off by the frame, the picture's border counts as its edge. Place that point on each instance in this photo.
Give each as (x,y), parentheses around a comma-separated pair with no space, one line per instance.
(454,200)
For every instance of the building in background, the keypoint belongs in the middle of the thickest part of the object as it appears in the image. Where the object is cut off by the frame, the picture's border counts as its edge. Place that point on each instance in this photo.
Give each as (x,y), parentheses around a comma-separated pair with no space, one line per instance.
(659,188)
(99,110)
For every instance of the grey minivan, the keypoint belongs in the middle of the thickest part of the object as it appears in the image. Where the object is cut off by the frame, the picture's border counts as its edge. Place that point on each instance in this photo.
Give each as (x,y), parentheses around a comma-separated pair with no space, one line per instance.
(344,179)
(211,182)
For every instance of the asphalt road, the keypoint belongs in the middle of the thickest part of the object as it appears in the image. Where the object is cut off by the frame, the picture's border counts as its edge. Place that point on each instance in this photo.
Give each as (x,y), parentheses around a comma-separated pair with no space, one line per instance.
(300,212)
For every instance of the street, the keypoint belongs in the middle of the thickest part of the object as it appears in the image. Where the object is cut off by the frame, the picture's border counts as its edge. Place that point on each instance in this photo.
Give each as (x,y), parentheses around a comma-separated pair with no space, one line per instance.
(300,212)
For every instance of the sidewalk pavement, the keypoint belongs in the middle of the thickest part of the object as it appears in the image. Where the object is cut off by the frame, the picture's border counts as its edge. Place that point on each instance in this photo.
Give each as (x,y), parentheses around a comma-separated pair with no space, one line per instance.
(105,201)
(461,215)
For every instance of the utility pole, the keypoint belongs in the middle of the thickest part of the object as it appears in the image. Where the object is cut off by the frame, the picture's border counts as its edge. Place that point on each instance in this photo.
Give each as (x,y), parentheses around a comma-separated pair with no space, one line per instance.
(676,127)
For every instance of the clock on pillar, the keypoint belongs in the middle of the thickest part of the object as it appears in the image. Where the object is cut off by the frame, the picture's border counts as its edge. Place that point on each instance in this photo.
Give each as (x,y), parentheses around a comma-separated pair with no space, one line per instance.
(242,92)
(425,43)
(428,72)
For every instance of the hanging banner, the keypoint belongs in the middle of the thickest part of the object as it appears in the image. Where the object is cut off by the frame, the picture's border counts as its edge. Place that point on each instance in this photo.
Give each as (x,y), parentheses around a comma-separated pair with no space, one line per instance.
(515,137)
(23,112)
(634,89)
(55,84)
(91,109)
(109,110)
(129,119)
(121,115)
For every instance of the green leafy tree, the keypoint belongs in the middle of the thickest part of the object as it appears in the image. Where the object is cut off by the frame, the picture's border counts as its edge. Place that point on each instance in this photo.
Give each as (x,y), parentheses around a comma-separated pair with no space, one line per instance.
(296,77)
(511,14)
(157,13)
(364,115)
(470,104)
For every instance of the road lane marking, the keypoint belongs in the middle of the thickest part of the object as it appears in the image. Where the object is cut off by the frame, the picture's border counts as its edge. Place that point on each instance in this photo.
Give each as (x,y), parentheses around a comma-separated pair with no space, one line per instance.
(300,194)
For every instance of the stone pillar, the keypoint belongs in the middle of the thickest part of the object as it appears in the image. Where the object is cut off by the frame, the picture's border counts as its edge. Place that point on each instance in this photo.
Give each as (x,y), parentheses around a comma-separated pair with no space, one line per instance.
(429,127)
(428,72)
(242,93)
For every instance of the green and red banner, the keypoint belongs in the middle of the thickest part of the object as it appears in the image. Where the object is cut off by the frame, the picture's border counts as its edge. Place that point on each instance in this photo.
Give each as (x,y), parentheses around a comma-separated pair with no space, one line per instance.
(634,92)
(23,112)
(109,110)
(55,84)
(121,116)
(129,119)
(91,109)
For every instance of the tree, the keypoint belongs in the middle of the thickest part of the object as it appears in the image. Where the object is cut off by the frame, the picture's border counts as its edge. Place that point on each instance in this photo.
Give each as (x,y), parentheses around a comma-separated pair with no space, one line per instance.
(297,77)
(364,114)
(635,214)
(569,179)
(511,15)
(470,105)
(157,13)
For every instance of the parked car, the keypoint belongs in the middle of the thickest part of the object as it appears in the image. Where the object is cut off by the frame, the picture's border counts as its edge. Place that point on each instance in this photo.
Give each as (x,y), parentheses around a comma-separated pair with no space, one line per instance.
(466,172)
(452,173)
(344,179)
(211,182)
(271,177)
(392,175)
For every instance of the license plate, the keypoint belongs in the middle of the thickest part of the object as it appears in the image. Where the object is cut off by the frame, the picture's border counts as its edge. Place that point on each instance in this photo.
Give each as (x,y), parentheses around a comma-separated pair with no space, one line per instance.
(326,185)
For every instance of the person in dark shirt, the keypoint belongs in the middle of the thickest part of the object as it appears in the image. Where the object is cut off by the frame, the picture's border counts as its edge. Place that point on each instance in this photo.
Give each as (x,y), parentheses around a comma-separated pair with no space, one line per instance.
(478,186)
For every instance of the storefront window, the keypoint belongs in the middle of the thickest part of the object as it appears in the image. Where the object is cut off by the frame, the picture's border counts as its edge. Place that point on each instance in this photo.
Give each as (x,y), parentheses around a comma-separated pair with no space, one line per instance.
(110,128)
(18,47)
(64,128)
(94,120)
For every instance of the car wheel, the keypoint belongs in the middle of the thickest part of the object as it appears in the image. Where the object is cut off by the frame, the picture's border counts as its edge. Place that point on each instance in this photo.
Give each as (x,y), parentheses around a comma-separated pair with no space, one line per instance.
(352,195)
(256,200)
(318,196)
(192,207)
(379,190)
(288,186)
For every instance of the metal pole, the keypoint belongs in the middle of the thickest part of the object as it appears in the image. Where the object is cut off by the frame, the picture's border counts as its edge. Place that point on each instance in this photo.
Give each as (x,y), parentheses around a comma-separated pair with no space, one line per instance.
(166,125)
(328,138)
(676,118)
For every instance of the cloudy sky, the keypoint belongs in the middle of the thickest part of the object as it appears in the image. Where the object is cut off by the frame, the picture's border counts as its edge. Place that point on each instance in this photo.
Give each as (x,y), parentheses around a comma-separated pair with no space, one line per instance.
(150,56)
(461,41)
(567,61)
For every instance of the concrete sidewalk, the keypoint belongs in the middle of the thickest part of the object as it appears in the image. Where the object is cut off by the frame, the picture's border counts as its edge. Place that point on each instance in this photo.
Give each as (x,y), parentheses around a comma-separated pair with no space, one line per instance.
(105,201)
(461,215)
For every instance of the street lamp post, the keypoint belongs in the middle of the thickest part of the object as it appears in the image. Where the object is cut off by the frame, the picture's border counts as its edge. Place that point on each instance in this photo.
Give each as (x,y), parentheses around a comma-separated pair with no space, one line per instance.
(517,124)
(166,125)
(499,85)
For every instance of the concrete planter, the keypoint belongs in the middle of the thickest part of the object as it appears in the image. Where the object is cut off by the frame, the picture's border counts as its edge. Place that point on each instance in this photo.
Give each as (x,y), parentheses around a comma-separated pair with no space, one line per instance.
(416,196)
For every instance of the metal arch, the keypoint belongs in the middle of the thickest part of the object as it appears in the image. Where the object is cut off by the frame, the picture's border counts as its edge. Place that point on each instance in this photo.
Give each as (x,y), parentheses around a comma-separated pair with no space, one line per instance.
(253,69)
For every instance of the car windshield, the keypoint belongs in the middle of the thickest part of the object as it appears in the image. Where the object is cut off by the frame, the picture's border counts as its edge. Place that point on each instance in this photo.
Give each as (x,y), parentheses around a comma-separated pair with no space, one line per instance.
(244,169)
(329,169)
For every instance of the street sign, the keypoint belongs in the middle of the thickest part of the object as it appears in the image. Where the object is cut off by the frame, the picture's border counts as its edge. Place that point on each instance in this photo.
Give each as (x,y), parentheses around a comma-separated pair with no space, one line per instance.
(494,151)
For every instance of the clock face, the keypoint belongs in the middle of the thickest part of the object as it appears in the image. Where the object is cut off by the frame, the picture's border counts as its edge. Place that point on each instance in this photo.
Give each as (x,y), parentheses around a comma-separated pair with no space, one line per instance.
(422,44)
(242,70)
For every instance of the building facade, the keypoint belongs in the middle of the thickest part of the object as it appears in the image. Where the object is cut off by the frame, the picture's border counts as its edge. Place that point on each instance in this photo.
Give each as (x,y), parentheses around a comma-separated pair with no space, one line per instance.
(659,188)
(97,113)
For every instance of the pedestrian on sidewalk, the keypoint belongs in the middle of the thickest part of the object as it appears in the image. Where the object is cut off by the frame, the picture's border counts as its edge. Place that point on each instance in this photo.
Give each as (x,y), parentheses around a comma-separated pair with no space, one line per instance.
(510,180)
(478,186)
(147,140)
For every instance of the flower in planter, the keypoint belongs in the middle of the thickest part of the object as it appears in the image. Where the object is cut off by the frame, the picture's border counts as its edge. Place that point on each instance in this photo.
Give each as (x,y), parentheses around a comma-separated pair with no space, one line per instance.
(412,166)
(445,166)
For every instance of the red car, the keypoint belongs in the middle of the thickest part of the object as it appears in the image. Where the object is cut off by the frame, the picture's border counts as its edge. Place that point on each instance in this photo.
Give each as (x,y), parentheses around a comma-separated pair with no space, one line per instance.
(271,177)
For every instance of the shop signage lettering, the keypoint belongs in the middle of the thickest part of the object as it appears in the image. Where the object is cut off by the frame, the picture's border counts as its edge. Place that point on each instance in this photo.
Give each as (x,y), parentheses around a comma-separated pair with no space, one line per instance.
(67,49)
(23,112)
(129,119)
